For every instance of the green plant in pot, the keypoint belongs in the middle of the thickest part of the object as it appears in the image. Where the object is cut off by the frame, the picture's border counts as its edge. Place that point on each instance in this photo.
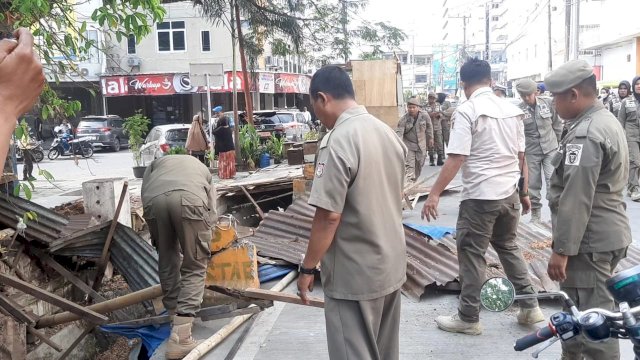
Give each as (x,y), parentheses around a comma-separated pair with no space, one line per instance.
(177,150)
(250,148)
(136,127)
(275,147)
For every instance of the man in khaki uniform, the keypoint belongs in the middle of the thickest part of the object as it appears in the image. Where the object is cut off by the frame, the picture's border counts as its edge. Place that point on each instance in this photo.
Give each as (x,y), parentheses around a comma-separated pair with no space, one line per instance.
(416,131)
(445,114)
(542,131)
(590,227)
(487,142)
(180,208)
(629,117)
(434,110)
(357,229)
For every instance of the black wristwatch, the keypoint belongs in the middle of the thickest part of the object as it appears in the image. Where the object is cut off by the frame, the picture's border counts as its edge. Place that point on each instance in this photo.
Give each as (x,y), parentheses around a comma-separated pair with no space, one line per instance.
(305,271)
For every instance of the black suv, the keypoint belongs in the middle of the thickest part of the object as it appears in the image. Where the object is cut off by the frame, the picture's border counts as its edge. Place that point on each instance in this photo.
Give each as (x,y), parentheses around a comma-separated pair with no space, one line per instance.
(103,131)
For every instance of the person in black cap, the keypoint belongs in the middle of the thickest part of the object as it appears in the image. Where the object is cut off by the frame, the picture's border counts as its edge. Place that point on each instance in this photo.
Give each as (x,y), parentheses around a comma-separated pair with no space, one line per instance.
(589,222)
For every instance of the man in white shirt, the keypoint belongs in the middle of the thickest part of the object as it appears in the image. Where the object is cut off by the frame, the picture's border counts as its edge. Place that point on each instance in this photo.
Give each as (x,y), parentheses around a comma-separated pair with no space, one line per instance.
(487,141)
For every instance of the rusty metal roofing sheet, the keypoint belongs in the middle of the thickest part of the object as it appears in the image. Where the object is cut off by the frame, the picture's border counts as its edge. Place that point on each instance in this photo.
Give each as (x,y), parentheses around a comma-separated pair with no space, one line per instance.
(430,262)
(45,229)
(131,255)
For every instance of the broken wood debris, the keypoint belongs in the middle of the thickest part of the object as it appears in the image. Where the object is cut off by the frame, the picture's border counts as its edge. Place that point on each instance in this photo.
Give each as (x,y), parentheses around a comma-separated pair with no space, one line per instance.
(40,335)
(15,310)
(54,299)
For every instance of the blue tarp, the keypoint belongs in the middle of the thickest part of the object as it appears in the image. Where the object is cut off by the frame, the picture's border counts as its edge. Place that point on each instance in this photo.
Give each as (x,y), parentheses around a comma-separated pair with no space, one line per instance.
(270,272)
(435,232)
(152,336)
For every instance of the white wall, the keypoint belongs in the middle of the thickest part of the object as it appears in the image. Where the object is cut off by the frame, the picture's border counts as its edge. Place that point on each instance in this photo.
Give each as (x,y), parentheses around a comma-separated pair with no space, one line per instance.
(154,61)
(615,66)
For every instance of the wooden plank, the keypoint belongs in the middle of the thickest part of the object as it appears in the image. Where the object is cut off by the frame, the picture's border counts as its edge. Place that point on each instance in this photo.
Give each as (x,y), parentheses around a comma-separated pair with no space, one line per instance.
(104,258)
(283,297)
(70,277)
(406,199)
(75,343)
(53,299)
(40,335)
(16,310)
(253,202)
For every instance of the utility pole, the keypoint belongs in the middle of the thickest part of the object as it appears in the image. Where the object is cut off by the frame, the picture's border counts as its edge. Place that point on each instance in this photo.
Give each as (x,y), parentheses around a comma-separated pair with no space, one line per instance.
(575,29)
(413,64)
(487,36)
(550,55)
(464,33)
(567,29)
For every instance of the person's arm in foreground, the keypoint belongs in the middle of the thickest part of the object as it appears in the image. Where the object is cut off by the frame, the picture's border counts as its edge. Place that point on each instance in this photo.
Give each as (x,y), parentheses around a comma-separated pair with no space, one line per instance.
(451,167)
(21,81)
(323,230)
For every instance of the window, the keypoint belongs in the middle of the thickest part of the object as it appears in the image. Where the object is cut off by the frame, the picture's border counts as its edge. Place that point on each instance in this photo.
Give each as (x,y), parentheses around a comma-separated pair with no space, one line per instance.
(300,119)
(420,79)
(421,60)
(94,53)
(131,44)
(171,36)
(403,59)
(495,18)
(205,37)
(495,6)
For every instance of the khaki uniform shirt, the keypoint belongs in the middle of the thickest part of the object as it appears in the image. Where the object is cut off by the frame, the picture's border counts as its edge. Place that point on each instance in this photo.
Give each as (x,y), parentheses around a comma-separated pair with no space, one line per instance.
(422,127)
(628,117)
(360,174)
(435,109)
(179,172)
(586,188)
(542,127)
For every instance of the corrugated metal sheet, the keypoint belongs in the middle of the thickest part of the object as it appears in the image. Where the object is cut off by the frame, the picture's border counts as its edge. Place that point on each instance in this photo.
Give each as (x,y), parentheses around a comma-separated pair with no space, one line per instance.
(46,229)
(131,255)
(430,262)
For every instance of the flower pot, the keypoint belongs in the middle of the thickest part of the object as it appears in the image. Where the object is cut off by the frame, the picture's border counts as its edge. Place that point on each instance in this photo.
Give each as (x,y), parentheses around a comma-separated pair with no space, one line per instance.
(138,171)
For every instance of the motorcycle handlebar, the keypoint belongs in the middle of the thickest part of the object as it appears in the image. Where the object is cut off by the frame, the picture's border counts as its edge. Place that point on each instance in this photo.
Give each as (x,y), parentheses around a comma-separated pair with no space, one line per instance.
(535,338)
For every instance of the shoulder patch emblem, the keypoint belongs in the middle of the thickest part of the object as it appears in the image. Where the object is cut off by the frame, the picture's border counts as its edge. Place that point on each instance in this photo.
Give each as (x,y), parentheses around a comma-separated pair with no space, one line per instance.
(573,154)
(320,169)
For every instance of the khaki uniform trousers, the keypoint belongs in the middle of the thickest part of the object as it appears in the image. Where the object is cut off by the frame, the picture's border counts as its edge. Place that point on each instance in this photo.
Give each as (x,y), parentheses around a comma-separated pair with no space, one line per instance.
(414,164)
(367,329)
(480,223)
(446,130)
(634,164)
(539,166)
(585,285)
(179,223)
(438,145)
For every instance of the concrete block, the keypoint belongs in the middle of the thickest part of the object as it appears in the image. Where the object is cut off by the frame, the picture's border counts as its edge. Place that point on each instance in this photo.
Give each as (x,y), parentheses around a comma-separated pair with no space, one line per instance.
(101,198)
(65,337)
(13,337)
(236,267)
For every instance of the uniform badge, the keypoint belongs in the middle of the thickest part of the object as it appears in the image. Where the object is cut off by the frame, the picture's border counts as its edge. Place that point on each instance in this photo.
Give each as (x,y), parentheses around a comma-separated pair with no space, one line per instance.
(320,169)
(574,153)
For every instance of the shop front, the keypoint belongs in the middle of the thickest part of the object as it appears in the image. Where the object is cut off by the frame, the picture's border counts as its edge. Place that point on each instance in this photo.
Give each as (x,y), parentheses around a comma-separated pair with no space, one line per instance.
(170,98)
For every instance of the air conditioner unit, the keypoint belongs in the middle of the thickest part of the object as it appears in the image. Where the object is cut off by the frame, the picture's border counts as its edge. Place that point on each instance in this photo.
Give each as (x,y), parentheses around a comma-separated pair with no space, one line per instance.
(84,71)
(134,61)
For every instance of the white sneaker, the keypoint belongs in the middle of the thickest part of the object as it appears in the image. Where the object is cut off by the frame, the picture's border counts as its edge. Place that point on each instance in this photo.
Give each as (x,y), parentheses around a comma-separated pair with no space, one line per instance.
(453,324)
(530,316)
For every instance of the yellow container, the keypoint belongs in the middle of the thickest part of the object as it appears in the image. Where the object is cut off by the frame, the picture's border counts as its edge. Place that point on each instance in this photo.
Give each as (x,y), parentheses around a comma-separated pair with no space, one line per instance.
(236,267)
(223,234)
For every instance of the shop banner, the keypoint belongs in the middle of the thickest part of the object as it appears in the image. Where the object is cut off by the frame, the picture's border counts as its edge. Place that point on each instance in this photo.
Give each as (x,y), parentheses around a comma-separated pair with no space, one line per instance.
(170,84)
(292,83)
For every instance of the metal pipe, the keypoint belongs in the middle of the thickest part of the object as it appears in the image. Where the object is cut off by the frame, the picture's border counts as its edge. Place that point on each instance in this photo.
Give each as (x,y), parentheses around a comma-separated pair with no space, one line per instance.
(103,307)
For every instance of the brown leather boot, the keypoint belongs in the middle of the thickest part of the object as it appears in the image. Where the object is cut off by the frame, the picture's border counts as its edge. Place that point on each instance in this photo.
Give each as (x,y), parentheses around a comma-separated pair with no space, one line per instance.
(180,341)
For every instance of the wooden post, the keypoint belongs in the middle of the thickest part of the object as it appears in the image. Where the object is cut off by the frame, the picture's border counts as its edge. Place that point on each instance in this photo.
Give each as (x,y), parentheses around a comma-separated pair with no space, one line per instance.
(70,277)
(253,202)
(104,258)
(13,339)
(31,330)
(103,307)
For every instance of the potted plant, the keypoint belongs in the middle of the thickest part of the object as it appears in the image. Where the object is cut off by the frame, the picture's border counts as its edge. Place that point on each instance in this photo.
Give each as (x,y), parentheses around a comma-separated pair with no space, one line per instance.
(275,147)
(250,148)
(136,127)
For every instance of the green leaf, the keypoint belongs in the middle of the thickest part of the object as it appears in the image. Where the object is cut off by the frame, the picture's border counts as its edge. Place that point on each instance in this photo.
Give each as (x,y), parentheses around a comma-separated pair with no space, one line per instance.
(27,191)
(16,191)
(83,28)
(45,112)
(19,132)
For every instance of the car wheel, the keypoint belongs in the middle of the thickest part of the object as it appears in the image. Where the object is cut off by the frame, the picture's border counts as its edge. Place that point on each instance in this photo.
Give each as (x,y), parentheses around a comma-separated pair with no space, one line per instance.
(116,145)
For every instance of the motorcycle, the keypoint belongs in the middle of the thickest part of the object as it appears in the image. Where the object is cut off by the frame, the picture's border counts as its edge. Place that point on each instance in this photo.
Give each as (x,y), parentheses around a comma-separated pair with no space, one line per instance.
(35,148)
(498,294)
(80,147)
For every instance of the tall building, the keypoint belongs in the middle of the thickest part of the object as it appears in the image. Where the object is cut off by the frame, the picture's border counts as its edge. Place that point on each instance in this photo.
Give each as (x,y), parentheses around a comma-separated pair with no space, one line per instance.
(416,69)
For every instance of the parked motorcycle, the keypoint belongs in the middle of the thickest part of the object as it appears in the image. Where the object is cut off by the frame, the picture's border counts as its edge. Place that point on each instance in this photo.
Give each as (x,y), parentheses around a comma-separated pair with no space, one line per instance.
(35,148)
(498,294)
(79,147)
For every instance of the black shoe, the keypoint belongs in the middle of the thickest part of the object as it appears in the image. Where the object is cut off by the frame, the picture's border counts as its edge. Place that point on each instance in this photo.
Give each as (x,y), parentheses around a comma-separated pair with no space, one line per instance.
(431,163)
(440,163)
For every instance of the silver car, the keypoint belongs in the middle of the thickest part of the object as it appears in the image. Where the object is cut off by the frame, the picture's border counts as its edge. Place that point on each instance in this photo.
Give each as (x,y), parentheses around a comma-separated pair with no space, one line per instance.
(161,139)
